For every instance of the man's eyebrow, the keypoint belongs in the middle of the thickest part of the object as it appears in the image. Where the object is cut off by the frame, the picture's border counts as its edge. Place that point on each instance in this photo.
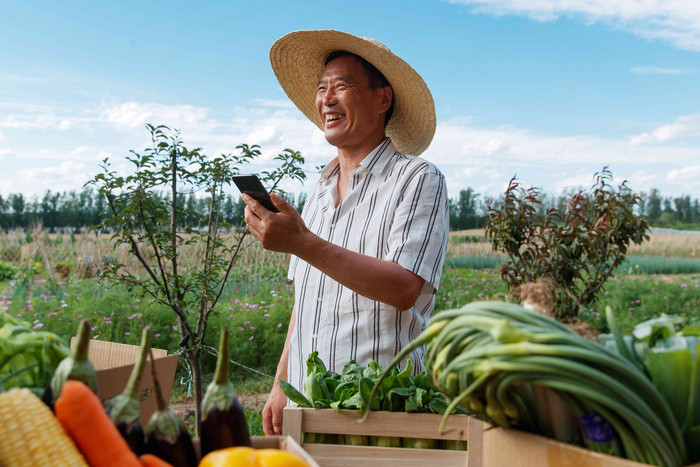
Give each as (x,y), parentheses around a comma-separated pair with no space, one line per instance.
(346,79)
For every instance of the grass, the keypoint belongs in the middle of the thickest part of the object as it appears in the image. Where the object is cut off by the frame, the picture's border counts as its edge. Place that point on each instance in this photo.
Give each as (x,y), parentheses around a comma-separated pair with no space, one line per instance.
(662,244)
(637,299)
(659,265)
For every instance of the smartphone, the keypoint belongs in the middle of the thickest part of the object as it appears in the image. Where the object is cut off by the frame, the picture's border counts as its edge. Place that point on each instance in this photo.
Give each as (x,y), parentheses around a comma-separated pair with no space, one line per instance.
(251,185)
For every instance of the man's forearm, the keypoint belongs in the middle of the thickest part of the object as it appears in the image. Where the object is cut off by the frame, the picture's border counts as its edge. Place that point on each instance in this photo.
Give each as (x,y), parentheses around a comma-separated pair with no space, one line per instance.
(378,279)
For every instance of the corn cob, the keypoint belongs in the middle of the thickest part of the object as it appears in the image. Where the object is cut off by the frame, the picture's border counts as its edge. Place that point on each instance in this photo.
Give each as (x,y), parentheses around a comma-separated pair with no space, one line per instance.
(30,435)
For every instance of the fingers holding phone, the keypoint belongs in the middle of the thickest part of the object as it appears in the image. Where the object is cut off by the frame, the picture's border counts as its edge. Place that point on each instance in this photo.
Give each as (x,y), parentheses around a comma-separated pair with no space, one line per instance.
(272,231)
(251,185)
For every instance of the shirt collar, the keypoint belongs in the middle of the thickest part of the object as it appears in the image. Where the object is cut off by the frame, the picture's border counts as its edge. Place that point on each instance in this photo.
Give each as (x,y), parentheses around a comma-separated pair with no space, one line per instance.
(375,162)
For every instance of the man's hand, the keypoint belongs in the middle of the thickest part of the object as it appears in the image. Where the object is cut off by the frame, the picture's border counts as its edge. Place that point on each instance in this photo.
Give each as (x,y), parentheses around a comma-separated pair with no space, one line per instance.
(282,231)
(272,412)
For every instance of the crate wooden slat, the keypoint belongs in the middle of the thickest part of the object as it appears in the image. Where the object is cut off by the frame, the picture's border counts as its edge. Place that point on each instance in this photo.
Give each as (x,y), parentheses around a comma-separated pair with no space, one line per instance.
(329,455)
(298,420)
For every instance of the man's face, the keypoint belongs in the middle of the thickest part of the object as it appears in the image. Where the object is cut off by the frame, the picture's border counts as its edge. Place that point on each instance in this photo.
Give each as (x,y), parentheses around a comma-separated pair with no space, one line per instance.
(352,113)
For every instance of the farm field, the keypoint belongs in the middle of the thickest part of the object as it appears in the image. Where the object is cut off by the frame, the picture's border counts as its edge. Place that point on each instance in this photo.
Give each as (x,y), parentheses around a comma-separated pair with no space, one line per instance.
(56,285)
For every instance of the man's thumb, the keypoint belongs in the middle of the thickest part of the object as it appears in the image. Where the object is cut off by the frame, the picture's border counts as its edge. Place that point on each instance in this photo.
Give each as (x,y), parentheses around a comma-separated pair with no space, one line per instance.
(280,202)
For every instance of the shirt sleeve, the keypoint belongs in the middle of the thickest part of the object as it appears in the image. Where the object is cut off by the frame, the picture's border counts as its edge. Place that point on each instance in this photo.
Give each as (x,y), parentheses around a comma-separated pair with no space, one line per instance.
(419,233)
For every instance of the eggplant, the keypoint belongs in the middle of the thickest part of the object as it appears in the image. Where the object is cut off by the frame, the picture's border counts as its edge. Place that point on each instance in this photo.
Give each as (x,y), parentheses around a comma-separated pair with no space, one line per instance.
(166,435)
(76,366)
(223,422)
(124,409)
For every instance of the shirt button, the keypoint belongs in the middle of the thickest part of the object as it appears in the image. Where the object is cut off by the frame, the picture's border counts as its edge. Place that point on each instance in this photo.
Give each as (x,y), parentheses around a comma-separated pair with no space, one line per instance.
(319,299)
(314,336)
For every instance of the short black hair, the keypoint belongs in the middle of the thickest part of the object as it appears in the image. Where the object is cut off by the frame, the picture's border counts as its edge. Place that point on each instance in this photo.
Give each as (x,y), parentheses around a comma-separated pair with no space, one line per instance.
(375,77)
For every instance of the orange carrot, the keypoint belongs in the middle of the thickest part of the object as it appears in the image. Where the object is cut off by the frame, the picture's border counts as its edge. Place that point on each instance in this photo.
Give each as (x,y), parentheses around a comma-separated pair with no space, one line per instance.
(149,460)
(81,413)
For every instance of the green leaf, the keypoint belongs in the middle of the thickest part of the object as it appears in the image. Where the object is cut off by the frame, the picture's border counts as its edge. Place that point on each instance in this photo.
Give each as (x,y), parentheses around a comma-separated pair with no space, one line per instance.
(691,330)
(294,395)
(658,328)
(373,370)
(366,385)
(670,371)
(314,364)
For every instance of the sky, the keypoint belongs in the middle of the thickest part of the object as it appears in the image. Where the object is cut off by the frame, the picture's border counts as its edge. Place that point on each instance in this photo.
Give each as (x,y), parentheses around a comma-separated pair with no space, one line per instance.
(548,91)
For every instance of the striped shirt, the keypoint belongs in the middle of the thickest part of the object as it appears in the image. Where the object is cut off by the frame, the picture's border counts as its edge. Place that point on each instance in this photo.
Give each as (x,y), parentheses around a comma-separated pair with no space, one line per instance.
(396,209)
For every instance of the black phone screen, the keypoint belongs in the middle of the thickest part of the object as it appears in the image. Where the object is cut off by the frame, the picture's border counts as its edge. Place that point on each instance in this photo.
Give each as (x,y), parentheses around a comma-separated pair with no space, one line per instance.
(251,185)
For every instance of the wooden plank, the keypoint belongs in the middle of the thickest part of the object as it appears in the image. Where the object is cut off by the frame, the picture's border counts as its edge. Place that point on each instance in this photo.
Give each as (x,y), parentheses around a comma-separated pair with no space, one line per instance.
(291,424)
(403,425)
(503,447)
(328,455)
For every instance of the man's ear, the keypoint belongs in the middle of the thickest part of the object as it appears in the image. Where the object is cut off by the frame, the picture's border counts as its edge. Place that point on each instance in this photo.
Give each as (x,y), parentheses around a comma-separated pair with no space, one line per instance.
(387,95)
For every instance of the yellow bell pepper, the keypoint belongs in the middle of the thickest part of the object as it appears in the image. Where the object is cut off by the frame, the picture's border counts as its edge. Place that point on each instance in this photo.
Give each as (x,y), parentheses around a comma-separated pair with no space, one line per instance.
(249,457)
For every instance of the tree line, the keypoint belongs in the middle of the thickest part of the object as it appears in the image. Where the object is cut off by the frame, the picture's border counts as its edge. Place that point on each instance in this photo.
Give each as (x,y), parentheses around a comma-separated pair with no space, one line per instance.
(73,210)
(468,210)
(82,209)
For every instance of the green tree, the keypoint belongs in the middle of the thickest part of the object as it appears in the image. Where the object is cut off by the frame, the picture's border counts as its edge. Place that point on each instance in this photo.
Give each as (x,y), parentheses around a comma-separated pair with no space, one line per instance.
(653,211)
(682,207)
(154,229)
(17,203)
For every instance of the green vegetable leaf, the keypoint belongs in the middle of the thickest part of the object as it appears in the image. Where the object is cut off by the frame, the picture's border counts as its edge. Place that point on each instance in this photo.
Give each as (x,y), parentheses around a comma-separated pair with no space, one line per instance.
(366,385)
(373,370)
(314,364)
(294,395)
(415,402)
(670,371)
(352,372)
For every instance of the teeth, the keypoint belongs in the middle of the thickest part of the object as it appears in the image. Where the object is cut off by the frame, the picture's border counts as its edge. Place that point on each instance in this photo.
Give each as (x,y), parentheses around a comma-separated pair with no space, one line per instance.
(330,118)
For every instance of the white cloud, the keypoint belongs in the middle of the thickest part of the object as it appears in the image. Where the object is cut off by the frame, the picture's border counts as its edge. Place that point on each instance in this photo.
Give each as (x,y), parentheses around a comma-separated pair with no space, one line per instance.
(469,155)
(4,153)
(687,178)
(68,168)
(685,126)
(656,70)
(279,103)
(137,114)
(674,21)
(34,181)
(11,77)
(458,144)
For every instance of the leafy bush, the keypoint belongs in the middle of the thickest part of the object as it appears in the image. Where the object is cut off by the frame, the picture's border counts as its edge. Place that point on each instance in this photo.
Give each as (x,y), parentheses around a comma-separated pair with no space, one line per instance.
(575,249)
(7,271)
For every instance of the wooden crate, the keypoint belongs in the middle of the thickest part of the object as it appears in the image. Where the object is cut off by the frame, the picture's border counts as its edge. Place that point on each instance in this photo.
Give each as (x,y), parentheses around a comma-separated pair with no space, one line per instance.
(298,420)
(515,448)
(488,446)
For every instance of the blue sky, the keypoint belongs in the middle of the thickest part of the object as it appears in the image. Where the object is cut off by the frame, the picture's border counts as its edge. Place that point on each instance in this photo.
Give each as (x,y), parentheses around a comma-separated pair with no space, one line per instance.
(546,90)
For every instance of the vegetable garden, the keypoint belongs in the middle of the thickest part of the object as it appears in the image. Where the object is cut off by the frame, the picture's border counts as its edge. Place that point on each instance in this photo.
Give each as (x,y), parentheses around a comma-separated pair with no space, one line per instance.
(608,329)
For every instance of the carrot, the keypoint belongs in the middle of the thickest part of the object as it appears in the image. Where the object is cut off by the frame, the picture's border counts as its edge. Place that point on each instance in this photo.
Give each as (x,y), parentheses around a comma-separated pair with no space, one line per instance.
(149,460)
(81,413)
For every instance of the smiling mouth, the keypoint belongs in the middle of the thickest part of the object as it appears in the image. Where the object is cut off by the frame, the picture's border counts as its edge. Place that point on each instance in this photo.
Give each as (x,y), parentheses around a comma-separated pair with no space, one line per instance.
(334,117)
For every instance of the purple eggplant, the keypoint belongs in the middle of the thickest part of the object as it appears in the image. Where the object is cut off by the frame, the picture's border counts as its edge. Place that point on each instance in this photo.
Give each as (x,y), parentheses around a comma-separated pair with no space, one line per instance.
(223,423)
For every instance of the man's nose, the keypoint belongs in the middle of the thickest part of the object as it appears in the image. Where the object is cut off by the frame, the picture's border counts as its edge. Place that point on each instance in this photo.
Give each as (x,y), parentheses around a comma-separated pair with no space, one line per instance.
(329,97)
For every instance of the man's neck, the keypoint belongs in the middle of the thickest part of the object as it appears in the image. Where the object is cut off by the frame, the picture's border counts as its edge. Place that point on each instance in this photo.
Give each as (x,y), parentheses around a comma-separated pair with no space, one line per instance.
(349,159)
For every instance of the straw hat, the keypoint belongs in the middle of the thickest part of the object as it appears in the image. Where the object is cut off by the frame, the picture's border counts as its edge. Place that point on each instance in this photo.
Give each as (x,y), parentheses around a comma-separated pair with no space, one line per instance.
(297,60)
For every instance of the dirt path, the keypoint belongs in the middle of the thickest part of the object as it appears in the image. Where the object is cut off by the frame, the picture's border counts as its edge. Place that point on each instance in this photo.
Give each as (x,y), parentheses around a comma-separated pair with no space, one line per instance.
(185,407)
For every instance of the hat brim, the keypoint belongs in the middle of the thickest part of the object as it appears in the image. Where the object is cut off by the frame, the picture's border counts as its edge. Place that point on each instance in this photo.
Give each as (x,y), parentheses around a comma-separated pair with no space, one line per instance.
(297,60)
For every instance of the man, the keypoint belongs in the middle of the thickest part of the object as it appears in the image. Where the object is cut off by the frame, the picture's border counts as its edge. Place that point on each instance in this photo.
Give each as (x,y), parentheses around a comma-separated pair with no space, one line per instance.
(369,246)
